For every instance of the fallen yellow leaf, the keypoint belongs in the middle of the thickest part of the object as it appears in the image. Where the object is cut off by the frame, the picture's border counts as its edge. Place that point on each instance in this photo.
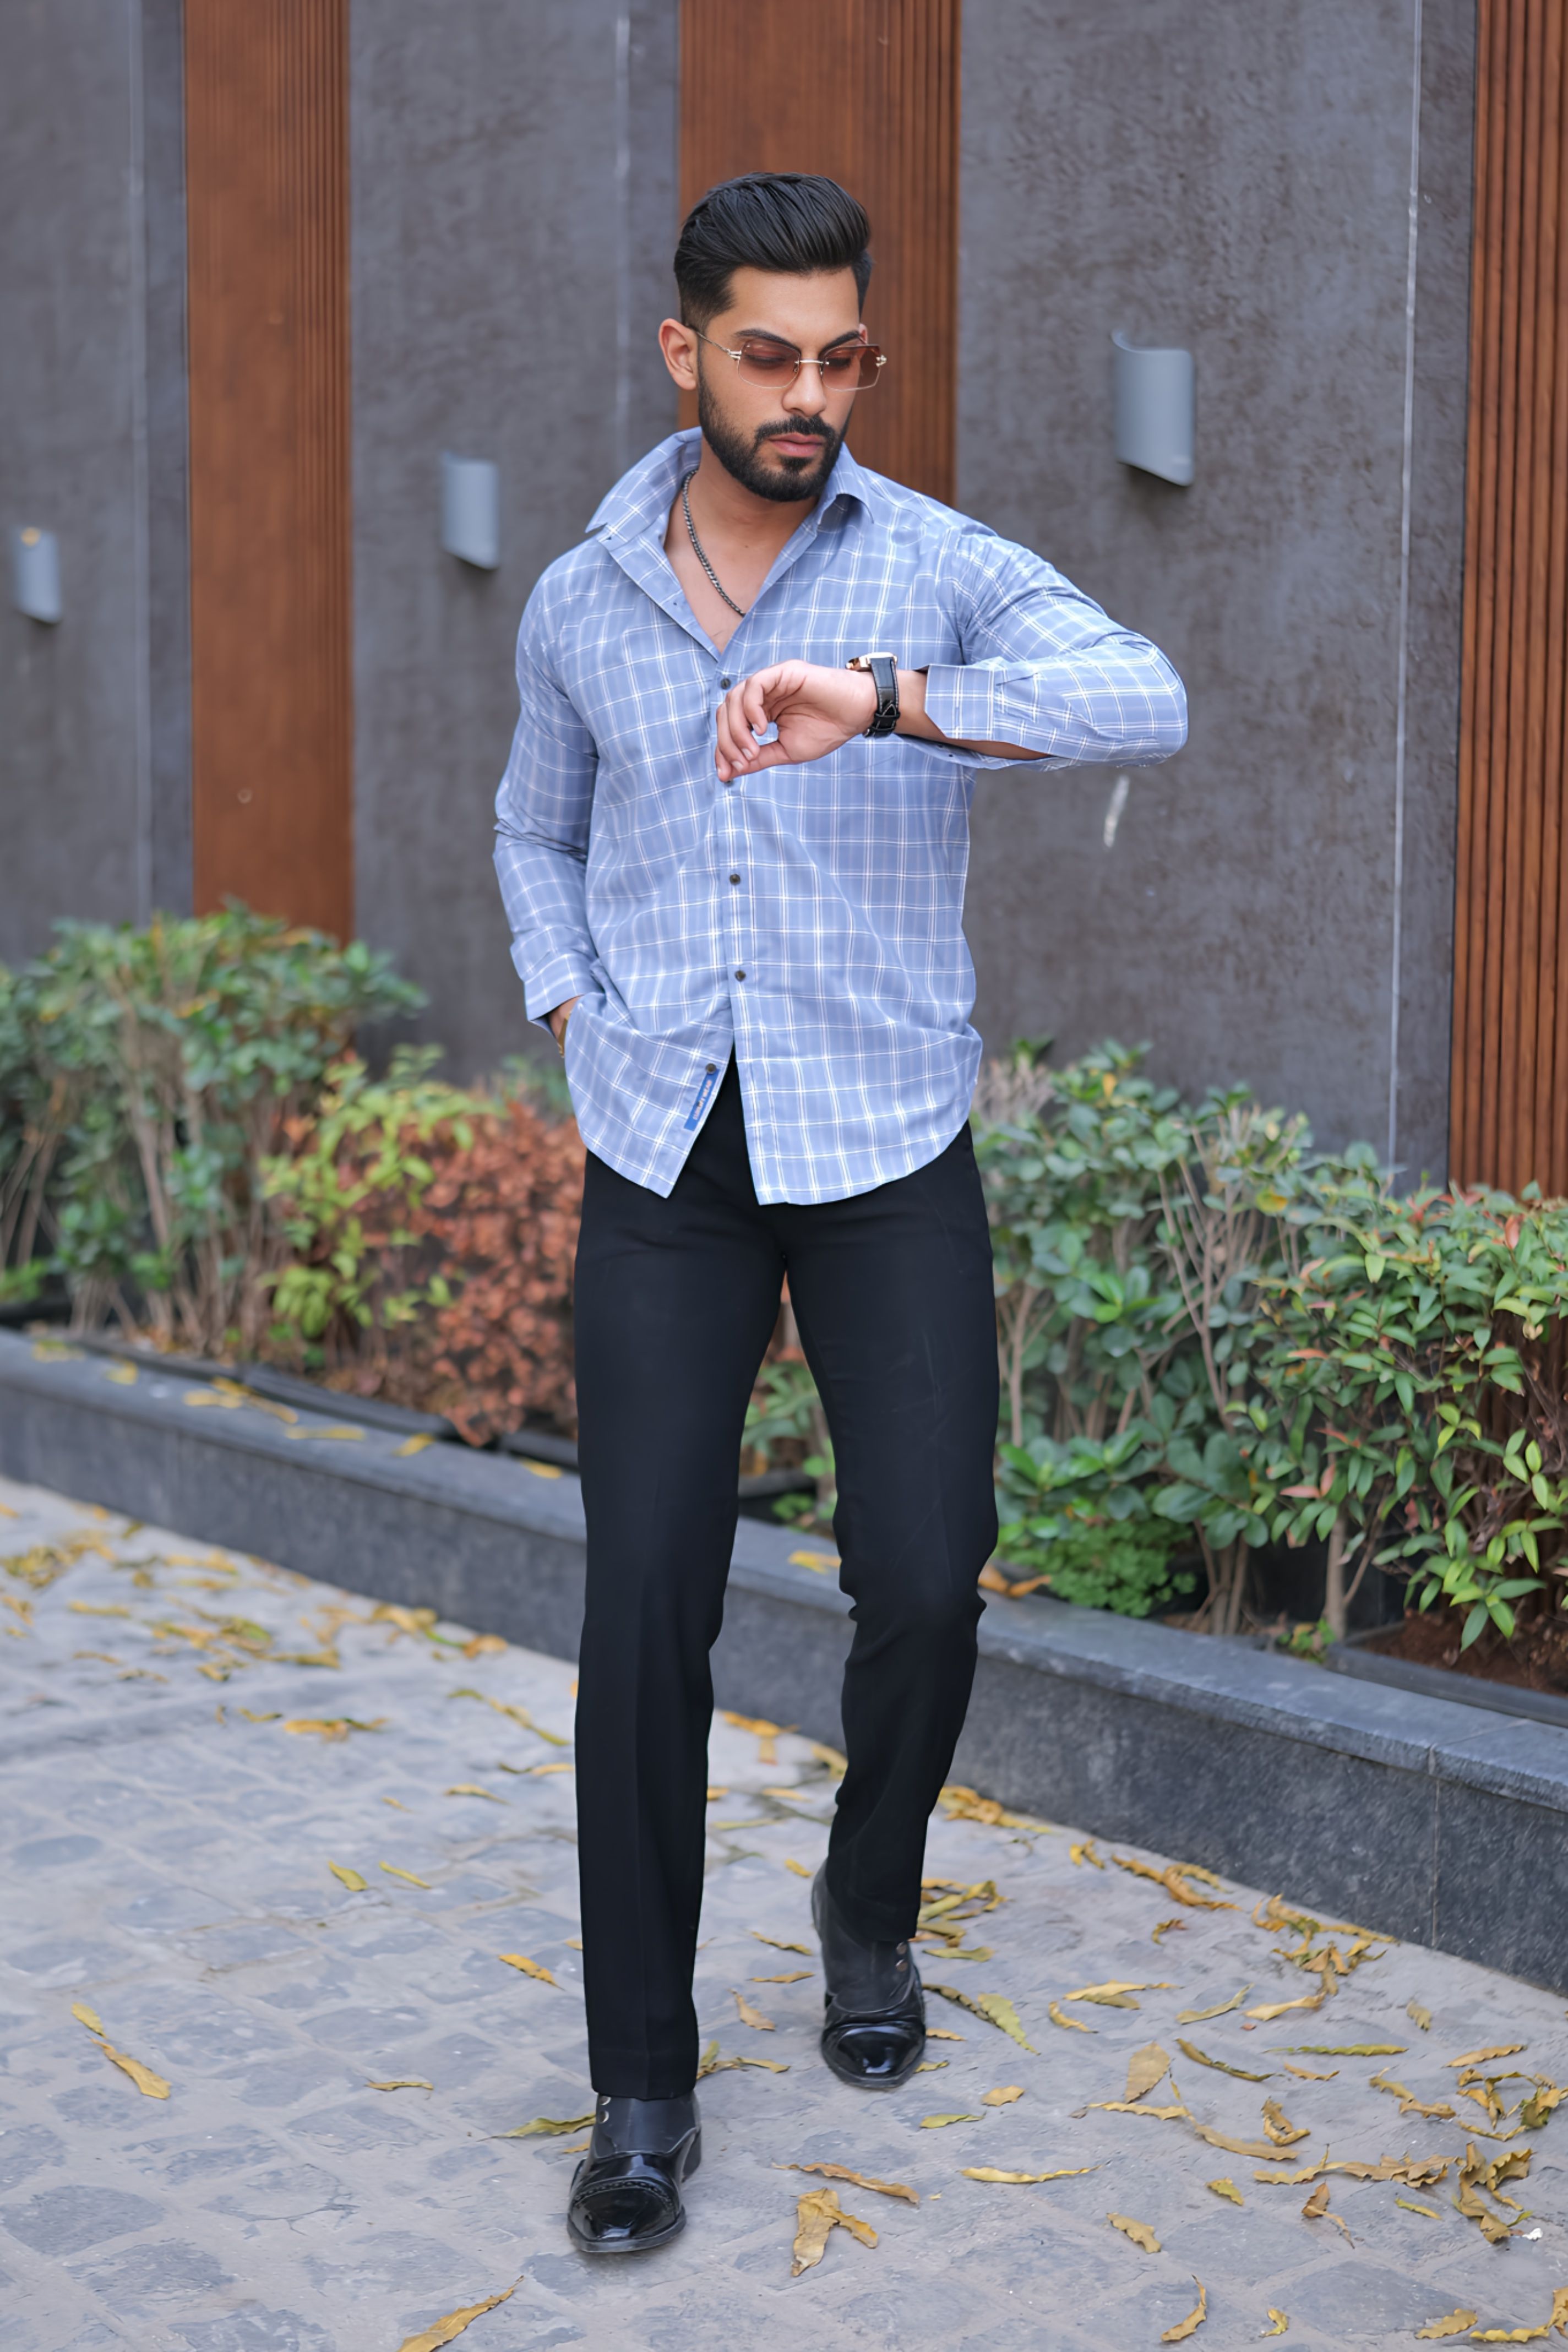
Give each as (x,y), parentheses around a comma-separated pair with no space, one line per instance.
(1418,2016)
(1173,1878)
(348,1878)
(400,2083)
(88,2017)
(273,1715)
(518,1714)
(1429,2212)
(942,2034)
(1139,2231)
(1253,2148)
(99,1609)
(472,1788)
(1458,2323)
(751,2016)
(336,1727)
(821,1562)
(1307,2075)
(1409,2105)
(1190,2050)
(1059,2016)
(1134,2107)
(1163,1927)
(1279,2126)
(414,1445)
(1085,1852)
(763,1731)
(1226,2187)
(799,1868)
(994,2007)
(1146,2067)
(1498,2050)
(151,2085)
(549,2127)
(1220,2009)
(485,1645)
(1026,2179)
(1003,2097)
(935,2123)
(1347,2050)
(790,1976)
(817,2214)
(392,1871)
(1193,2320)
(529,1967)
(542,1469)
(858,2179)
(1115,1994)
(1269,2009)
(777,1944)
(962,1804)
(1280,2322)
(430,2339)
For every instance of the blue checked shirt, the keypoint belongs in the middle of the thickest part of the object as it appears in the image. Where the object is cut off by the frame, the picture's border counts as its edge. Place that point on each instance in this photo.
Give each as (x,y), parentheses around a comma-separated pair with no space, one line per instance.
(808,918)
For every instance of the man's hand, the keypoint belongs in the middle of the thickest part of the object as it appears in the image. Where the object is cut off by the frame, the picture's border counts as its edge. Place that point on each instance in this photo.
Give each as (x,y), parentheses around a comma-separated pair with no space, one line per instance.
(815,709)
(559,1018)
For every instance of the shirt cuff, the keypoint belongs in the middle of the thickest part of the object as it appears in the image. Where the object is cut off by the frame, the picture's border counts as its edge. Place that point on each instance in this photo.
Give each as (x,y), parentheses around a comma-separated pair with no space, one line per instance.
(553,983)
(962,699)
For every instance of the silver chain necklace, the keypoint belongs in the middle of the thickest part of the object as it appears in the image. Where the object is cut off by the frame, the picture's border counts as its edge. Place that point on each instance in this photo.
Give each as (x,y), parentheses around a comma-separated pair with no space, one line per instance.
(713,579)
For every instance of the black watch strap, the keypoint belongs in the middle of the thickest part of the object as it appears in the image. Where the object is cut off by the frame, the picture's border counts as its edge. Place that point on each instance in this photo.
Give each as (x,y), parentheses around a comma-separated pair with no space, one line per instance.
(884,672)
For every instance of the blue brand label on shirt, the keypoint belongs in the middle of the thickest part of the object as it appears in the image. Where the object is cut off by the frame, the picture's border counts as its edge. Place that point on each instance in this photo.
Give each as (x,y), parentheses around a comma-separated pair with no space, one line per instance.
(700,1105)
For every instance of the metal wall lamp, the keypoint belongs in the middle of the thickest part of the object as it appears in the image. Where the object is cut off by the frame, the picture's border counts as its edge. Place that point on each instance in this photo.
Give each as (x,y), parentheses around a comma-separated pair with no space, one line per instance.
(1154,402)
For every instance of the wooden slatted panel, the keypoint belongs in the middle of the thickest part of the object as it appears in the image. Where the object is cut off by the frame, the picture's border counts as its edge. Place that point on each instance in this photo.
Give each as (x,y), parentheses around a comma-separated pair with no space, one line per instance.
(272,714)
(866,90)
(1509,1121)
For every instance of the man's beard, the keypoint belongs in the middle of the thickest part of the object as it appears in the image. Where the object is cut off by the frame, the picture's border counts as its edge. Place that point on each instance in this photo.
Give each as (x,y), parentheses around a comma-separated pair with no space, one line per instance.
(790,479)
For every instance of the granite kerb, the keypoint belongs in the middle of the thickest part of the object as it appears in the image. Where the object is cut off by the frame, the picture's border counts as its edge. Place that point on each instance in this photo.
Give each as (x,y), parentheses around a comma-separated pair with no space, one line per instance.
(1248,1760)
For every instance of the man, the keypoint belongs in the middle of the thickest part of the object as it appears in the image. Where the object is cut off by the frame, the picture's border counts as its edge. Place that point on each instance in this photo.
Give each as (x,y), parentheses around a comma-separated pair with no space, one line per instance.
(734,865)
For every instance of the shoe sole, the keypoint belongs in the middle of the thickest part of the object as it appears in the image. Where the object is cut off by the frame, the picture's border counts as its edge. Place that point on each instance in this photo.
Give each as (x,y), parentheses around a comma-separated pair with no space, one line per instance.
(640,2245)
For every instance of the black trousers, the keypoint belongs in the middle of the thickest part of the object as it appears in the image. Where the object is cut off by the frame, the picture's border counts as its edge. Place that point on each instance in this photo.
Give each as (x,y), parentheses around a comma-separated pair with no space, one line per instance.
(676,1301)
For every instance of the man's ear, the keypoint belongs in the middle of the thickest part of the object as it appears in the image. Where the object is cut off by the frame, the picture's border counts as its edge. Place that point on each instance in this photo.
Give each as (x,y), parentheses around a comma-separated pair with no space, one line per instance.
(678,344)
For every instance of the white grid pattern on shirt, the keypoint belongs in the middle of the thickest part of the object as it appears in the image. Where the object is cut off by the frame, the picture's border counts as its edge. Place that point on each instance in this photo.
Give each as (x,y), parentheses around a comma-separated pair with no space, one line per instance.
(616,839)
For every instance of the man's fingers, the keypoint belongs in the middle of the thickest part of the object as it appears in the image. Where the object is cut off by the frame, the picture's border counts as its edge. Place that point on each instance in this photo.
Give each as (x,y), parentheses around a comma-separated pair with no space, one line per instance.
(734,749)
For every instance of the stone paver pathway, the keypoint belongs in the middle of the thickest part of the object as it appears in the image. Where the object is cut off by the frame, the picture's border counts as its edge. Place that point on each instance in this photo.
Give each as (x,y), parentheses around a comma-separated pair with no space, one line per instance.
(169,1838)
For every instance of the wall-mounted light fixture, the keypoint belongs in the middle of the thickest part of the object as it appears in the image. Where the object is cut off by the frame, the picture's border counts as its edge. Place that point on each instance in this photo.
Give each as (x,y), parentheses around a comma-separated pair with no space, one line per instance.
(1153,408)
(36,573)
(470,510)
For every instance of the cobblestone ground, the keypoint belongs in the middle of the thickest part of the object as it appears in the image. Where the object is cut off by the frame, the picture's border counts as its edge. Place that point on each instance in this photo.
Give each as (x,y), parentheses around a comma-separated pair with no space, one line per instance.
(172,1828)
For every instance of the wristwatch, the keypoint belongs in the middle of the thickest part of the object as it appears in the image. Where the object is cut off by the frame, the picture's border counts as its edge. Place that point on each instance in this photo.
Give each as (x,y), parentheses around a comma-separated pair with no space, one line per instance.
(884,670)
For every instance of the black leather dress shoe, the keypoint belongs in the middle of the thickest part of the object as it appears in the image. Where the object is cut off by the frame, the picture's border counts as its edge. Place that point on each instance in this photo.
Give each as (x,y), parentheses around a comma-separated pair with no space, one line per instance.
(874,2026)
(626,2193)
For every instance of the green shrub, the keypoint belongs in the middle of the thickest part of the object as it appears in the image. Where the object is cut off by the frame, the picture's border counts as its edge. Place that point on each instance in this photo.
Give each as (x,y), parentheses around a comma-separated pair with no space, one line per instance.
(150,1074)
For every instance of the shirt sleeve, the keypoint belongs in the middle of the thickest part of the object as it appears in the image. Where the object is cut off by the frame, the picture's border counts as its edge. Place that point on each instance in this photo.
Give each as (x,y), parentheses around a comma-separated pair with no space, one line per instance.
(543,814)
(1045,668)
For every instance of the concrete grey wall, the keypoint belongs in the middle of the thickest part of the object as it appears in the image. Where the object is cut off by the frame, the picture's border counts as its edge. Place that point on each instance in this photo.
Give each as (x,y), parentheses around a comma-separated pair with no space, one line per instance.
(1276,907)
(94,758)
(514,209)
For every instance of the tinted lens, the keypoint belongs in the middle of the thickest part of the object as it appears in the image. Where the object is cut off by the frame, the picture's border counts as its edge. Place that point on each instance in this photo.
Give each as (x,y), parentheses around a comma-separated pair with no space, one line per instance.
(766,363)
(855,369)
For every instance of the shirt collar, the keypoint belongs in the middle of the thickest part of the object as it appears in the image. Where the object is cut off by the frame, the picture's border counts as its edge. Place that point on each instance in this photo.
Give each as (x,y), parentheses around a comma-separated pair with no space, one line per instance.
(640,501)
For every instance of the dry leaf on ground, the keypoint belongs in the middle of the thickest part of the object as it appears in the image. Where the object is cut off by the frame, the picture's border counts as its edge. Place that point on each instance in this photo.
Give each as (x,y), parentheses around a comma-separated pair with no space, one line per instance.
(548,2126)
(799,1868)
(394,1871)
(1193,2320)
(1282,2322)
(1085,1852)
(1221,2066)
(414,1445)
(330,1727)
(1458,2323)
(1058,2016)
(88,2017)
(960,1805)
(1005,2095)
(1307,2075)
(765,1733)
(751,2016)
(1116,1993)
(994,2007)
(817,2214)
(1269,2009)
(942,2034)
(1226,2187)
(400,2083)
(935,2123)
(1220,2009)
(1418,2016)
(1279,2126)
(1498,2050)
(1430,2212)
(1163,1927)
(518,1714)
(1026,2179)
(859,2180)
(790,1976)
(151,2085)
(1146,2067)
(430,2339)
(1173,1879)
(1346,2050)
(472,1788)
(1316,2209)
(1139,2231)
(347,1877)
(1409,2105)
(1254,2148)
(777,1944)
(528,1967)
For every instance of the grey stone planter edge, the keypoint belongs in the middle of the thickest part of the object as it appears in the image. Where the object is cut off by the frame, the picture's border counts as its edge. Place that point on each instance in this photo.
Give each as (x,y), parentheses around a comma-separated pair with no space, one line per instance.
(1429,1819)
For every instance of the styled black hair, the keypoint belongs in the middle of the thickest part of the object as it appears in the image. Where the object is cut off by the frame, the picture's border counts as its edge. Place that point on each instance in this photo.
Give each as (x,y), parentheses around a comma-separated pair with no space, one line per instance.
(794,223)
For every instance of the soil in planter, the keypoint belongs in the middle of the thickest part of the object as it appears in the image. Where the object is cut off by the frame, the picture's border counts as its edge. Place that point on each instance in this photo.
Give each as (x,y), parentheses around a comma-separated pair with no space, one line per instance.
(1536,1659)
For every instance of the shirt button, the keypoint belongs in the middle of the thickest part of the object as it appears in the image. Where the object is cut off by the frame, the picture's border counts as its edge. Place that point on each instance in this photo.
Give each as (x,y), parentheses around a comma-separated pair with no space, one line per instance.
(726,681)
(739,975)
(734,878)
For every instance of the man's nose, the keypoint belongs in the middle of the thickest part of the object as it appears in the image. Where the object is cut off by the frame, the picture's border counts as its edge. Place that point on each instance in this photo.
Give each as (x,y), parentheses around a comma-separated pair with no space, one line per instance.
(806,396)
